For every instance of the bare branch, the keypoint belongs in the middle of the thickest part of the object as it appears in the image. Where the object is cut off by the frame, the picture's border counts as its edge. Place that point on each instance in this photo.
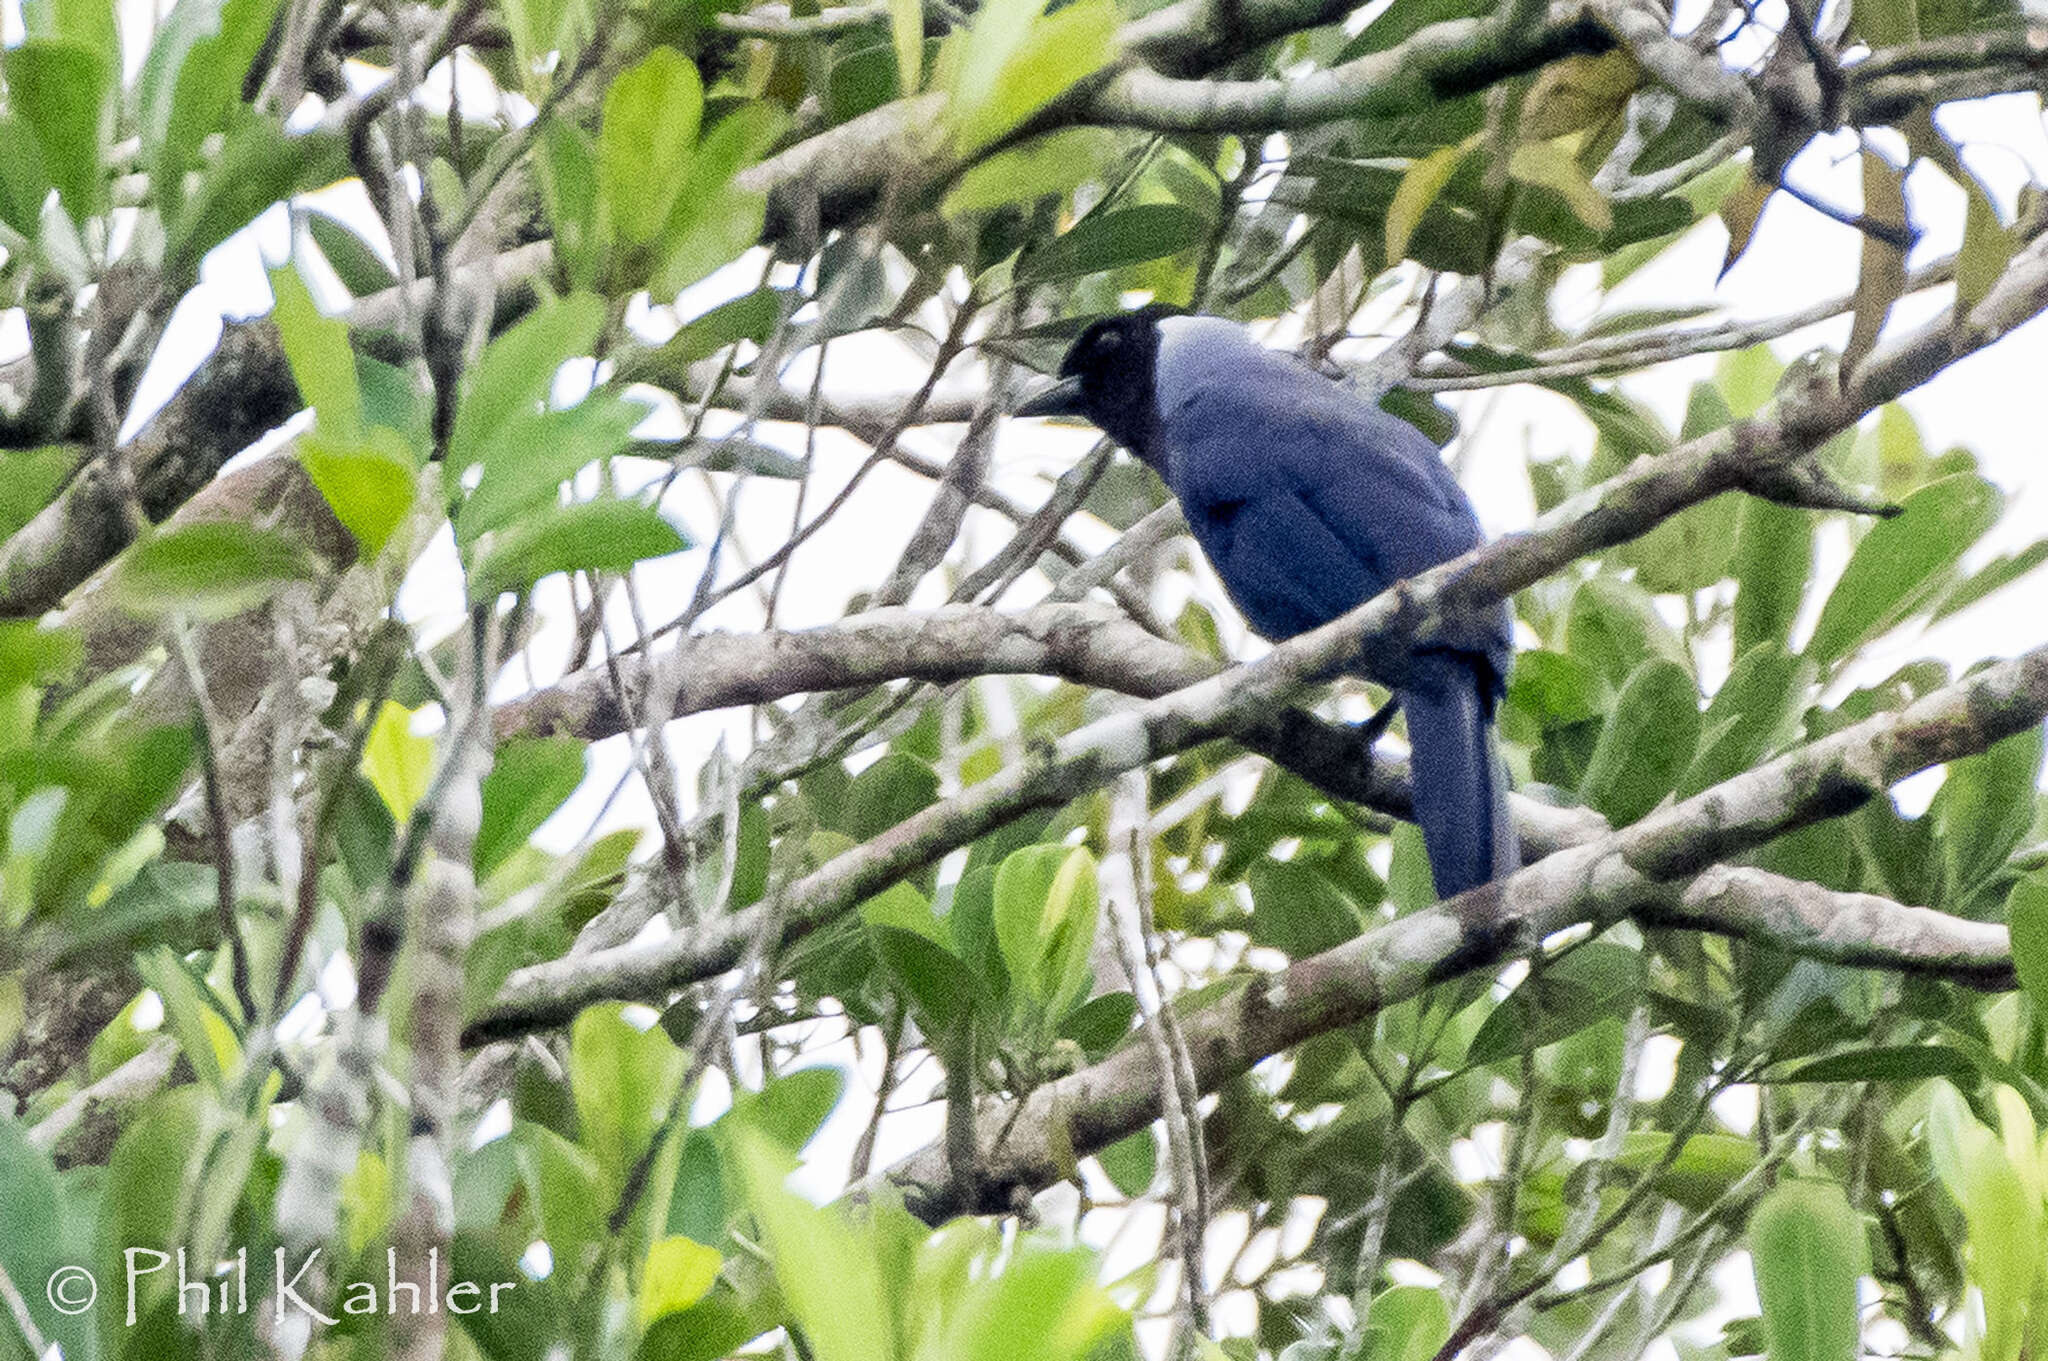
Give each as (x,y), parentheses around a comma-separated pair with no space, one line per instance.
(1597,884)
(1375,638)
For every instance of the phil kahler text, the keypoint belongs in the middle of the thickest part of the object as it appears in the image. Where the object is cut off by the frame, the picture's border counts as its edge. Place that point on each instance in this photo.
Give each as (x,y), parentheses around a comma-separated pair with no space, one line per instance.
(226,1291)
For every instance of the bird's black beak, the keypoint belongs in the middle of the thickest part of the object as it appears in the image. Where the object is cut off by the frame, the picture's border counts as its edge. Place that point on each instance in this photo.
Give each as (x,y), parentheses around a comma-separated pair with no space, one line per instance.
(1063,398)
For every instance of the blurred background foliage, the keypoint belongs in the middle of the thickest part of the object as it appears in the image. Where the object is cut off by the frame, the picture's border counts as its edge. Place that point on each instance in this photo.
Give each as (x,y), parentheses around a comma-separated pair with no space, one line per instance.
(604,247)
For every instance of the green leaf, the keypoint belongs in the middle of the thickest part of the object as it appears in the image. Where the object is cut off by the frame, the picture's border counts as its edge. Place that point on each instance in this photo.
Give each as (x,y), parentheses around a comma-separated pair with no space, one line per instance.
(34,655)
(530,778)
(1984,808)
(2002,1212)
(792,1109)
(56,87)
(715,220)
(937,984)
(1755,709)
(361,270)
(321,361)
(34,477)
(209,569)
(1807,1246)
(136,1207)
(1773,552)
(827,1271)
(192,79)
(1885,23)
(1995,575)
(1748,379)
(539,27)
(646,143)
(1112,240)
(886,793)
(728,223)
(2026,915)
(534,452)
(1296,909)
(1045,1305)
(1884,1063)
(1046,912)
(1054,163)
(1899,565)
(567,167)
(259,165)
(1628,776)
(1692,549)
(1595,982)
(1740,211)
(709,1329)
(23,185)
(42,1228)
(591,536)
(193,1014)
(751,316)
(568,1192)
(89,23)
(1099,1024)
(1419,187)
(1613,626)
(624,1080)
(369,487)
(516,373)
(1548,165)
(1703,1171)
(1406,1323)
(1016,59)
(1131,1162)
(901,906)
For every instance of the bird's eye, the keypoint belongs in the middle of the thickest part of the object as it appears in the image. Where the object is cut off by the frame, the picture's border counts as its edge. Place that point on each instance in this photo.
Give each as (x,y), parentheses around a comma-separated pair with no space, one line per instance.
(1107,341)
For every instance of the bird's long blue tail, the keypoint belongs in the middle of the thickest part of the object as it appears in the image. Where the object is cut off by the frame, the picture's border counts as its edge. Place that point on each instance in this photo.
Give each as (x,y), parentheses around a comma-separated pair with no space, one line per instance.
(1459,786)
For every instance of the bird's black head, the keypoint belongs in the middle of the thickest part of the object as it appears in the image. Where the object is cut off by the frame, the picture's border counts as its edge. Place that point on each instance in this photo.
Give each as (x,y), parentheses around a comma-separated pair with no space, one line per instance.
(1107,378)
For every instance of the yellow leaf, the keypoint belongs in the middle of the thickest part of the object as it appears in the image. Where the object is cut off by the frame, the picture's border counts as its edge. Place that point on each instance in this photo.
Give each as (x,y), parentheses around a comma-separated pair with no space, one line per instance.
(1739,213)
(1548,165)
(1418,189)
(1987,247)
(1578,93)
(906,25)
(13,1010)
(1883,275)
(366,1198)
(678,1272)
(397,763)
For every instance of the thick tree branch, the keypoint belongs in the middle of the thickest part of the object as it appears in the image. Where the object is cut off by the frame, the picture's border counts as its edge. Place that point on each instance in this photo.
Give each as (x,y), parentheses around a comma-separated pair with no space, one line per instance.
(1088,644)
(1441,62)
(1375,638)
(242,391)
(904,144)
(1645,866)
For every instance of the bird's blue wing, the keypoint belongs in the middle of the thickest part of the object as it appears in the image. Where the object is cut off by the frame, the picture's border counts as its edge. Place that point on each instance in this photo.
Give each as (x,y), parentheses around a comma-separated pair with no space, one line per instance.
(1286,570)
(1282,443)
(1309,501)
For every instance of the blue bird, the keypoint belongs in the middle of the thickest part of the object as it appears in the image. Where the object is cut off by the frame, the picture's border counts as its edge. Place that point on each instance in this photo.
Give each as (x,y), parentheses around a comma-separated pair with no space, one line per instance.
(1309,501)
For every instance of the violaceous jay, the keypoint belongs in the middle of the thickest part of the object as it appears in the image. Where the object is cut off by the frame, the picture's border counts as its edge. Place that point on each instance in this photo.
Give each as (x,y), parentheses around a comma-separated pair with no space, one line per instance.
(1308,501)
